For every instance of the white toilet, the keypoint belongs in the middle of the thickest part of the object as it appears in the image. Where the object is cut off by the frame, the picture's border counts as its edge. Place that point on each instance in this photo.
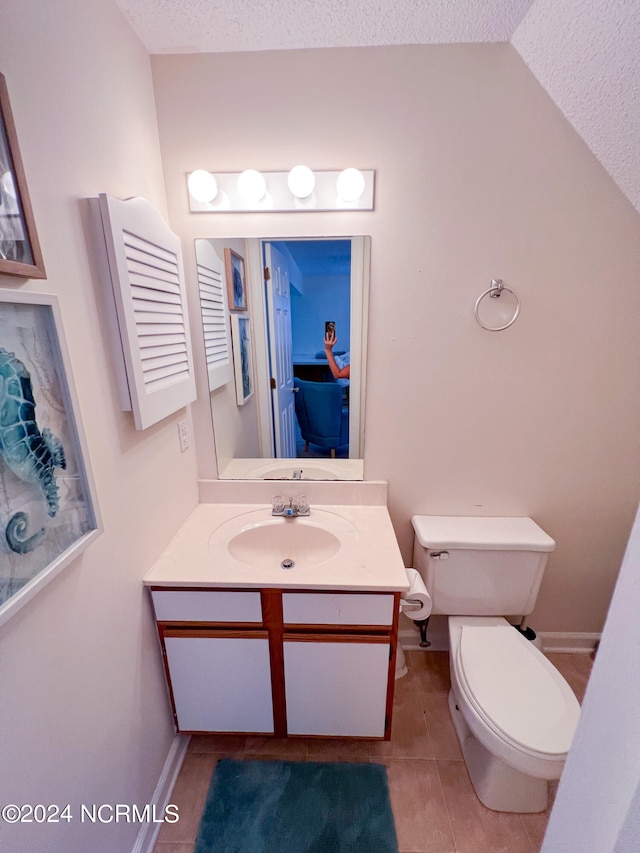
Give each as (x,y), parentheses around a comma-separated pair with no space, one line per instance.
(513,712)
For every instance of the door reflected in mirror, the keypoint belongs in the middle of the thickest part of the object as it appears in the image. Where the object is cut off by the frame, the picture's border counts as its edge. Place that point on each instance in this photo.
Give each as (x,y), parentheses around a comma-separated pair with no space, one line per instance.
(306,315)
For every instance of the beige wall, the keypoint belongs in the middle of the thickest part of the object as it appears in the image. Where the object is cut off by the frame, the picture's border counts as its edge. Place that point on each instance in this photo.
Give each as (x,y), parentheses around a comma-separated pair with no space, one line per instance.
(478,176)
(82,697)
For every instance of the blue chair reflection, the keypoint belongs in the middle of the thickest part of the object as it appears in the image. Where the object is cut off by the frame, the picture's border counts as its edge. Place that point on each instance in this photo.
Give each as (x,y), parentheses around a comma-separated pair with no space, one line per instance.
(323,419)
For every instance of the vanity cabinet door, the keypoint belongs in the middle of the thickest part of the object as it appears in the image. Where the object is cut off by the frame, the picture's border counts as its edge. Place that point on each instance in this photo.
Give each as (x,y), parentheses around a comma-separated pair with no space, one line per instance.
(336,685)
(220,681)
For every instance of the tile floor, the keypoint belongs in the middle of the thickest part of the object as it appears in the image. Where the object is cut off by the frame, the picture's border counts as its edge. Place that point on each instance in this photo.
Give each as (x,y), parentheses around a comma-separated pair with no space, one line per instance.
(434,805)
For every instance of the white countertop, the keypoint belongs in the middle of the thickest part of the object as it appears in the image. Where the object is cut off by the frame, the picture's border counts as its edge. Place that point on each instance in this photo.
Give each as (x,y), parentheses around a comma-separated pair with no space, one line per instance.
(369,558)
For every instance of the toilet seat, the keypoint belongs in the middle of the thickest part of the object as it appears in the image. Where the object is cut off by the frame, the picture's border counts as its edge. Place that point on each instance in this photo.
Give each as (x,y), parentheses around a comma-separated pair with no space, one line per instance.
(514,689)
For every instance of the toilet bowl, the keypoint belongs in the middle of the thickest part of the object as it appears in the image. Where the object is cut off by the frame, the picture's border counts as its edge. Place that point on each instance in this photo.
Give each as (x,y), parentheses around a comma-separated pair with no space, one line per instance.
(514,713)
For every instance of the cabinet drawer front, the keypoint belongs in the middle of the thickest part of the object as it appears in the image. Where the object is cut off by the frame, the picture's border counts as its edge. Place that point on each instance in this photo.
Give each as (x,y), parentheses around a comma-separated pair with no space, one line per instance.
(319,608)
(205,605)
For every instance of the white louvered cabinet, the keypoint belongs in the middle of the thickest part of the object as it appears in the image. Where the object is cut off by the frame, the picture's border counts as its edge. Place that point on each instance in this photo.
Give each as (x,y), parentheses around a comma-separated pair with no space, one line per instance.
(215,315)
(144,266)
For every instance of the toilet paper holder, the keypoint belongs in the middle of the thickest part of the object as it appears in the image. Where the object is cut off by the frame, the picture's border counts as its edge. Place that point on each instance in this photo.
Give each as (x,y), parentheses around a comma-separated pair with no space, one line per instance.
(407,604)
(417,603)
(421,624)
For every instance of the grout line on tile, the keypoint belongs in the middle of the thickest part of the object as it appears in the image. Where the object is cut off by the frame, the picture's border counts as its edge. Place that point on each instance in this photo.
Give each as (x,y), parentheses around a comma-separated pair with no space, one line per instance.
(446,805)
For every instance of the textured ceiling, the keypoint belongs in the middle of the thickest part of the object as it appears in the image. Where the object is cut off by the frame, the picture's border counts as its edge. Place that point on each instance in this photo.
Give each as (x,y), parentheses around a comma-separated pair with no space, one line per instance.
(586,53)
(212,26)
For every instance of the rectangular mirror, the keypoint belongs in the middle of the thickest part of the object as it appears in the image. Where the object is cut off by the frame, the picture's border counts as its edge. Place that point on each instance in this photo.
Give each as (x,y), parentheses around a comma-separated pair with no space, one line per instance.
(285,404)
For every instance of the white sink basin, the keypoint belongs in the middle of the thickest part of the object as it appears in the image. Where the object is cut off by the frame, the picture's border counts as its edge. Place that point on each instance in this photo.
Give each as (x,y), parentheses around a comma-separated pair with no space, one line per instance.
(270,544)
(262,541)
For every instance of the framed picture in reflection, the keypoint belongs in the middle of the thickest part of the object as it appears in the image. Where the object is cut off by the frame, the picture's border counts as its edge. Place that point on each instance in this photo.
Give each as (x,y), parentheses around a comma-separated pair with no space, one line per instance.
(19,247)
(236,281)
(242,357)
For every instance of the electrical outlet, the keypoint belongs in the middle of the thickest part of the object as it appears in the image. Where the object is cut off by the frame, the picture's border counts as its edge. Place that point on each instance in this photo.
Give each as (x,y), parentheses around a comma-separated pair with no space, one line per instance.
(183,432)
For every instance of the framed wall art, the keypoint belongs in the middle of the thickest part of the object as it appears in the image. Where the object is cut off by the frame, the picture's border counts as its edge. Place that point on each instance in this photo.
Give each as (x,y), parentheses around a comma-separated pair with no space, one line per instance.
(242,357)
(48,511)
(236,280)
(19,247)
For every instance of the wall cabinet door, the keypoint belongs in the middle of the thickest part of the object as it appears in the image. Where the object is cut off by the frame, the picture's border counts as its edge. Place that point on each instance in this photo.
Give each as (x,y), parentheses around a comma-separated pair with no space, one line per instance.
(220,683)
(336,685)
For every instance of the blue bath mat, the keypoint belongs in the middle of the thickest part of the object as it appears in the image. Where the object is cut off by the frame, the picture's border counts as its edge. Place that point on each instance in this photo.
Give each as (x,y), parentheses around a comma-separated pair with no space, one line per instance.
(297,807)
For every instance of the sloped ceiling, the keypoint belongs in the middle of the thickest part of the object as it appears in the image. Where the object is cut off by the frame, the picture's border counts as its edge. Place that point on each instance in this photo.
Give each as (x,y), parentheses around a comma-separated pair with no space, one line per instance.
(585,53)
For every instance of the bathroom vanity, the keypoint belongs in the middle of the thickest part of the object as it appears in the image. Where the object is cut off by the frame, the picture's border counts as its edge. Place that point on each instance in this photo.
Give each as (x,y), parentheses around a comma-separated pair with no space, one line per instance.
(251,647)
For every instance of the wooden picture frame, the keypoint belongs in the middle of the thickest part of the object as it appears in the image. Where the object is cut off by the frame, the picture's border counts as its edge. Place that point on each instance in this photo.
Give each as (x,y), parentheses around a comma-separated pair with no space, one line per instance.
(236,280)
(48,507)
(19,246)
(242,357)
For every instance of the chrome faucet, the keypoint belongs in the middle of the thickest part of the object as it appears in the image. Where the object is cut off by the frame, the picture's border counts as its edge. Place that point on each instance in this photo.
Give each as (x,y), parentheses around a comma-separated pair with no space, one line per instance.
(297,474)
(299,507)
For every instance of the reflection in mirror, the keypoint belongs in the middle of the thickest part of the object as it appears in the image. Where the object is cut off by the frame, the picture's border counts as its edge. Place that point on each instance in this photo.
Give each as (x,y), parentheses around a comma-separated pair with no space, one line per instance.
(303,417)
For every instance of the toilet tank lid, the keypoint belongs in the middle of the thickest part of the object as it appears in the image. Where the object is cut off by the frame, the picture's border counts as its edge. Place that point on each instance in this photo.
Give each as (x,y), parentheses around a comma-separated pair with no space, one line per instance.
(442,532)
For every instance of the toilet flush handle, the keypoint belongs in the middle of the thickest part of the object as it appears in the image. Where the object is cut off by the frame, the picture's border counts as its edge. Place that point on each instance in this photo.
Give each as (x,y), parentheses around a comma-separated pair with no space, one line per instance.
(439,555)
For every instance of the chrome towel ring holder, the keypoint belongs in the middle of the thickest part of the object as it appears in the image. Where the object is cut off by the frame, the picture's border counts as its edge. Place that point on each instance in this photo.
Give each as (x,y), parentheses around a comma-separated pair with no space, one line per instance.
(496,289)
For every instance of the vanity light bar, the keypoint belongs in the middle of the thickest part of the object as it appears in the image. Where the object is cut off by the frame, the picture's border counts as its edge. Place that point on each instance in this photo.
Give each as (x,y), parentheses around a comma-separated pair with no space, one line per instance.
(241,192)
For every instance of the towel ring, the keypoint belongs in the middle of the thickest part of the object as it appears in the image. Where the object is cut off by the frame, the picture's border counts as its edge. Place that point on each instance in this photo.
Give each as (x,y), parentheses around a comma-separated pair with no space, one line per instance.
(497,287)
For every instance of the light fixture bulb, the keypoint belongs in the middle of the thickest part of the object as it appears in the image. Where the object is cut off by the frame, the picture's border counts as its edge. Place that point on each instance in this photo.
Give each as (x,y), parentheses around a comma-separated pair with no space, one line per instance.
(301,181)
(350,185)
(202,186)
(252,185)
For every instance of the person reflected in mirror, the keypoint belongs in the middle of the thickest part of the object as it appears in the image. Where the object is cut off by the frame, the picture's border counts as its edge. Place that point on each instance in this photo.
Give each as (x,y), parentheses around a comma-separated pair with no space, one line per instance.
(339,365)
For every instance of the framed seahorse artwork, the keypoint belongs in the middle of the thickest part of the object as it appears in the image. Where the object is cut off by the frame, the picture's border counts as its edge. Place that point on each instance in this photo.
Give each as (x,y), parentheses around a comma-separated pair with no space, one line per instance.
(48,510)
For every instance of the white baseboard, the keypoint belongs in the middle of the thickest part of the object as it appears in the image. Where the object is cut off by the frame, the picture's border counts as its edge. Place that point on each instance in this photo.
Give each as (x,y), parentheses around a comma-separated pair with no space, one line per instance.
(552,641)
(146,839)
(567,641)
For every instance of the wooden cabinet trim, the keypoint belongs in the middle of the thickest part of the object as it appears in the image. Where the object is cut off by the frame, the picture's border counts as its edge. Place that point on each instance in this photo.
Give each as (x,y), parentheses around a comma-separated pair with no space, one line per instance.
(272,615)
(391,681)
(166,624)
(292,637)
(204,631)
(204,589)
(337,628)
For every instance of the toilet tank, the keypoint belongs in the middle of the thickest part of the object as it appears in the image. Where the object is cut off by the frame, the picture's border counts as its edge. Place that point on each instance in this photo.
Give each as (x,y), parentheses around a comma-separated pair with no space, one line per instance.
(476,566)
